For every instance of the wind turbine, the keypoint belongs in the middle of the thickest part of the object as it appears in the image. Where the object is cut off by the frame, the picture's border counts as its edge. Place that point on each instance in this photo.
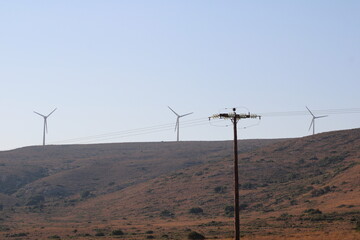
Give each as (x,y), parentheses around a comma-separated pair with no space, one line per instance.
(45,123)
(177,125)
(313,120)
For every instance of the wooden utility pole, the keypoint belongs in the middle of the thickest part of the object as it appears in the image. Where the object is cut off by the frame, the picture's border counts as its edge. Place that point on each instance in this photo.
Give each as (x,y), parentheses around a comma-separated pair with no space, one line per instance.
(236,179)
(234,117)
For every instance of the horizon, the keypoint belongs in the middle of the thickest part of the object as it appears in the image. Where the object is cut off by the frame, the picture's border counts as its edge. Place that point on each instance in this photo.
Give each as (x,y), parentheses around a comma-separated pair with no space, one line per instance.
(173,141)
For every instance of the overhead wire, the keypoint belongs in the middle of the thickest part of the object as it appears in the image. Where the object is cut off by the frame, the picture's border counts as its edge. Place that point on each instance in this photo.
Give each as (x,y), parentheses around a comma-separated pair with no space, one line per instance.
(193,123)
(302,113)
(145,132)
(134,132)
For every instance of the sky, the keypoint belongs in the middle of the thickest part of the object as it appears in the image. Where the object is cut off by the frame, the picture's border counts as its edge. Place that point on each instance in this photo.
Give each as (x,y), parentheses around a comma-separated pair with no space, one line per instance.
(112,68)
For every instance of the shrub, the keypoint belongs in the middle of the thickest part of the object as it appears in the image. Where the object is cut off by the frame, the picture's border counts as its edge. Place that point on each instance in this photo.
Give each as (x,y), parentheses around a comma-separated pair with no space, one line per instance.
(150,237)
(166,213)
(117,232)
(258,206)
(243,206)
(149,232)
(357,226)
(332,160)
(196,210)
(229,211)
(85,194)
(100,234)
(317,217)
(301,161)
(19,234)
(312,211)
(35,200)
(284,217)
(195,235)
(212,223)
(54,237)
(248,186)
(321,191)
(266,210)
(220,189)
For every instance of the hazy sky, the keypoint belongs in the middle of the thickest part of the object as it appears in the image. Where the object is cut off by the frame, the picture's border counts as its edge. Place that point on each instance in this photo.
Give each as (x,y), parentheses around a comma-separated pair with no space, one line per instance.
(110,66)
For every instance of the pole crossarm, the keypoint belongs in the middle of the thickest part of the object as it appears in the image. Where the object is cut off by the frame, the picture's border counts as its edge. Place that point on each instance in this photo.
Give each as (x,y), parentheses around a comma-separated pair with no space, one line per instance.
(234,116)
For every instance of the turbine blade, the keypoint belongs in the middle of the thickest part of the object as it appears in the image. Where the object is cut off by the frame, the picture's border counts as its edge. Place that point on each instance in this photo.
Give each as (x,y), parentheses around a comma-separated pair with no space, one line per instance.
(322,116)
(186,114)
(51,112)
(310,111)
(39,114)
(312,122)
(174,111)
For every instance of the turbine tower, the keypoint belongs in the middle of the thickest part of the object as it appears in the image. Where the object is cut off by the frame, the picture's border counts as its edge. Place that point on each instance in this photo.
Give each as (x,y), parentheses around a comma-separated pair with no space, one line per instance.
(312,124)
(177,125)
(45,123)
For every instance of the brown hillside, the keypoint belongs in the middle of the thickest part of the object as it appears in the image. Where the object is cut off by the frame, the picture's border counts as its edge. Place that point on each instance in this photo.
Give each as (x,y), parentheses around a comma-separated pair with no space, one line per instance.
(58,172)
(290,189)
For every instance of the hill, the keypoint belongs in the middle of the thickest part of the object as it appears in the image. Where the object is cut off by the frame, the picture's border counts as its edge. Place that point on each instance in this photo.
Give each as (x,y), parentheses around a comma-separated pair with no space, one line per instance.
(289,188)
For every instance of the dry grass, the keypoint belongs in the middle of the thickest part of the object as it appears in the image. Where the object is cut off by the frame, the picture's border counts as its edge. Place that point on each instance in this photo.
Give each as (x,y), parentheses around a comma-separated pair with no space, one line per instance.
(131,184)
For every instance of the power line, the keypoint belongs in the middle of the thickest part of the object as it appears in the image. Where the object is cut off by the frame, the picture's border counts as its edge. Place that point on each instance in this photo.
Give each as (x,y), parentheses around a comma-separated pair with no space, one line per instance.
(134,132)
(141,133)
(193,123)
(302,113)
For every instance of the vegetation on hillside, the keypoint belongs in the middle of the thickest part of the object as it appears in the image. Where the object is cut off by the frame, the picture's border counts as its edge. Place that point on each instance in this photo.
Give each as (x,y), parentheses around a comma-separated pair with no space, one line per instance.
(170,190)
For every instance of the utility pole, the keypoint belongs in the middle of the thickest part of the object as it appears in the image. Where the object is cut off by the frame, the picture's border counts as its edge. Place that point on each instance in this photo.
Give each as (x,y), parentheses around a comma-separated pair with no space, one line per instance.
(234,117)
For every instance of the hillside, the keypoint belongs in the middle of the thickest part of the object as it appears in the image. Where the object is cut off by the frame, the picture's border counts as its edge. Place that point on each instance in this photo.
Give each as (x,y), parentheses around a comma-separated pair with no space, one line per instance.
(288,187)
